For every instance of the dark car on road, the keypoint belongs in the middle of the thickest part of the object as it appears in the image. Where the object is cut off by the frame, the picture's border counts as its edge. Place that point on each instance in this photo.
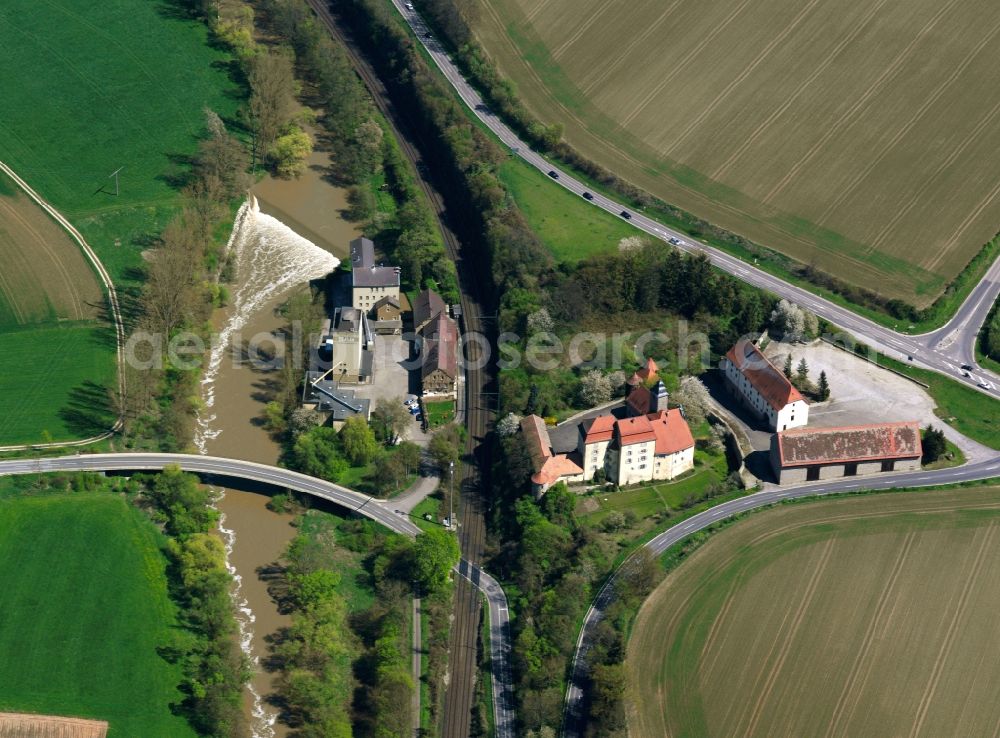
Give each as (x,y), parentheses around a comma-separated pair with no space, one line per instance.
(626,214)
(554,174)
(967,367)
(587,196)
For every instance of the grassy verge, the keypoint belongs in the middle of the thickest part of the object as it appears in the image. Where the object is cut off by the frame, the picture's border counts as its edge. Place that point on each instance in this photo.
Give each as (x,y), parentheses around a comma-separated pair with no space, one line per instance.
(430,505)
(54,382)
(571,228)
(484,686)
(85,612)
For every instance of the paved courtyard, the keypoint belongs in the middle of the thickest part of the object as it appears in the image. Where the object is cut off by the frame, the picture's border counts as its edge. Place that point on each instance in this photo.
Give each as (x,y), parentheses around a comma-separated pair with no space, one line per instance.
(393,380)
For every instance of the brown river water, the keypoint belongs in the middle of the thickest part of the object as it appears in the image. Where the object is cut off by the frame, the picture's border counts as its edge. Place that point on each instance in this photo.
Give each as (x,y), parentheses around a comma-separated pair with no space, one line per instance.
(270,270)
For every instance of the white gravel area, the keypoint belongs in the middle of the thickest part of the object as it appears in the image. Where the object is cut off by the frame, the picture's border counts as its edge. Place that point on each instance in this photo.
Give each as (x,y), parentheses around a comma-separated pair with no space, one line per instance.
(863,393)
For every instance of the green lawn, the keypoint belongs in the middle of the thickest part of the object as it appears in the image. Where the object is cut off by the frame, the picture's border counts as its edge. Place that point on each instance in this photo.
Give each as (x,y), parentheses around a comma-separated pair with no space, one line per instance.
(54,379)
(85,609)
(568,225)
(439,413)
(91,87)
(661,497)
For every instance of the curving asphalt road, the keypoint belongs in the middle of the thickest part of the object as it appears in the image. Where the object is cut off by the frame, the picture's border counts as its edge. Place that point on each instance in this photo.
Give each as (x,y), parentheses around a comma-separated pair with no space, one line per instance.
(380,511)
(573,719)
(372,507)
(943,350)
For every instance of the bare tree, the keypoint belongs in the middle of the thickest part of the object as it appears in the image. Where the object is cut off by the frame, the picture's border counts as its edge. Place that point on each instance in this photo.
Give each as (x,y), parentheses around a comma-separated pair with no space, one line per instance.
(272,98)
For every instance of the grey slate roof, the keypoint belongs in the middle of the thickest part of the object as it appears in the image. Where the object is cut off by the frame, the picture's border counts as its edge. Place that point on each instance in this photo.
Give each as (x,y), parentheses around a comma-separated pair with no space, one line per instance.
(362,253)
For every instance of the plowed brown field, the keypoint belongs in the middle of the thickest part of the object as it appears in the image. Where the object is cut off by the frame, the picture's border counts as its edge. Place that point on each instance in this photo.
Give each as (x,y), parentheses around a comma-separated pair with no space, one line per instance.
(18,725)
(865,616)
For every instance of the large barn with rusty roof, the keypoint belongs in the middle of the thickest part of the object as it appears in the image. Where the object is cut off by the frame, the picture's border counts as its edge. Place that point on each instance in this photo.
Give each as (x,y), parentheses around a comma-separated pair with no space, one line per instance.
(812,454)
(763,388)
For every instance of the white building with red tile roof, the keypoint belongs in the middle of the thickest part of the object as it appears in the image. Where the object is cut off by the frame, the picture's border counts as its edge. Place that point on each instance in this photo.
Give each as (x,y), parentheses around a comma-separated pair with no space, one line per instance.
(763,388)
(658,446)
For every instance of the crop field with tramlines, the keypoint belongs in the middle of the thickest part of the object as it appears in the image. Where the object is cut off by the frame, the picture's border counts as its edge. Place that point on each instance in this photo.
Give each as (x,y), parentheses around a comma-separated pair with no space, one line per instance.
(858,136)
(858,616)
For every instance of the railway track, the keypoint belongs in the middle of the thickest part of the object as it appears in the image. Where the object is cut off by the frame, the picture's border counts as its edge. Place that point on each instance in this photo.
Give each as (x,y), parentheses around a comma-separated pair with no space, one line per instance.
(462,662)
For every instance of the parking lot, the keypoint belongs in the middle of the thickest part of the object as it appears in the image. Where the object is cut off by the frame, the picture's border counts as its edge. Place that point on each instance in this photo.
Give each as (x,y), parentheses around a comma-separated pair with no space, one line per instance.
(393,381)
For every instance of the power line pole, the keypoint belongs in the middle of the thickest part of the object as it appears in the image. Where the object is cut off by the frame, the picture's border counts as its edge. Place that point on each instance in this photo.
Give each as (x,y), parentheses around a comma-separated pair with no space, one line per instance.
(115,175)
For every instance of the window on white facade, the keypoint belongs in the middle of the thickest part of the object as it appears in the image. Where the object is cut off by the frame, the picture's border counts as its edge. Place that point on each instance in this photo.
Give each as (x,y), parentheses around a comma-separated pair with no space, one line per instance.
(642,466)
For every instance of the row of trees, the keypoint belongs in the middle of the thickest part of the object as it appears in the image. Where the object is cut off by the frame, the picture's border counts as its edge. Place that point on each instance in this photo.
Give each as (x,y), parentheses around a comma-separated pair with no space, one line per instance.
(322,696)
(363,147)
(215,669)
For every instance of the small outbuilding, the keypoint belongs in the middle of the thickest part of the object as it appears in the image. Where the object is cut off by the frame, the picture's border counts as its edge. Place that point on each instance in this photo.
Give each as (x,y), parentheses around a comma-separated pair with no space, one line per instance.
(814,454)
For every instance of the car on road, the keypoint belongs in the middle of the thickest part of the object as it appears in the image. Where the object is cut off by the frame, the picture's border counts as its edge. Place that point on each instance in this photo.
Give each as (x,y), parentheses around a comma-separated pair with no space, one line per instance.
(967,367)
(482,108)
(554,174)
(427,34)
(674,240)
(966,374)
(983,385)
(409,6)
(587,196)
(626,214)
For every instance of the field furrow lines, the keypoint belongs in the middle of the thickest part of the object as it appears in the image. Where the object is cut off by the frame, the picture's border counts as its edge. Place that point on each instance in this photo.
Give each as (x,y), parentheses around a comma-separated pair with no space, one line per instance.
(584,27)
(683,63)
(746,72)
(908,126)
(788,638)
(851,683)
(917,197)
(605,70)
(861,26)
(969,219)
(971,579)
(848,116)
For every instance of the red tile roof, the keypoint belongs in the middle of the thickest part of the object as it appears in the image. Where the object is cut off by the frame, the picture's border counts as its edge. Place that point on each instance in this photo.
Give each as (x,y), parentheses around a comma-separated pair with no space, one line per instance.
(441,341)
(853,443)
(672,431)
(772,384)
(548,468)
(649,371)
(598,429)
(634,430)
(555,467)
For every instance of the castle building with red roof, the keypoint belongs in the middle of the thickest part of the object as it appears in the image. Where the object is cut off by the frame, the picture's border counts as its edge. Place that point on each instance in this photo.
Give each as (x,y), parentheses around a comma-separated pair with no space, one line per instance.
(644,448)
(763,388)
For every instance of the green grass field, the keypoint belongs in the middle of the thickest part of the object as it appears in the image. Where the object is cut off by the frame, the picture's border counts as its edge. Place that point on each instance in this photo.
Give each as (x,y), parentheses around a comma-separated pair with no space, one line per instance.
(54,379)
(569,226)
(855,136)
(85,609)
(92,87)
(856,616)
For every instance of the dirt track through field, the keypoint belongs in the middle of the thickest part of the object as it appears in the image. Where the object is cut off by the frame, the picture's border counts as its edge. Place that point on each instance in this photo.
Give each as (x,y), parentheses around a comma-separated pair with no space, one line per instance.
(20,725)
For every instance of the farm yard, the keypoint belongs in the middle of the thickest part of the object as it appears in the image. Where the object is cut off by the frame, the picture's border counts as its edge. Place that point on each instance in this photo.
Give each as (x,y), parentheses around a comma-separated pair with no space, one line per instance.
(85,615)
(816,604)
(858,136)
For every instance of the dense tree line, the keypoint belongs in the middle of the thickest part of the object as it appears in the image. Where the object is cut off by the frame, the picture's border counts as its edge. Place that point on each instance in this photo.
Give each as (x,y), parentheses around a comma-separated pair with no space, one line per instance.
(467,158)
(215,669)
(990,336)
(362,147)
(349,674)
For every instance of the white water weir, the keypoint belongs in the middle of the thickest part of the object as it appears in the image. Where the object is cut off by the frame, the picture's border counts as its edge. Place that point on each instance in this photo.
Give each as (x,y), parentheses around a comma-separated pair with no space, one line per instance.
(270,259)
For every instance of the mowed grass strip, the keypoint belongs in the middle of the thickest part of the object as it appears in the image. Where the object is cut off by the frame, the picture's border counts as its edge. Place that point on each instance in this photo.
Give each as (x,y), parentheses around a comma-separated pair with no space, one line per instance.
(570,227)
(84,610)
(54,380)
(858,616)
(92,87)
(860,137)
